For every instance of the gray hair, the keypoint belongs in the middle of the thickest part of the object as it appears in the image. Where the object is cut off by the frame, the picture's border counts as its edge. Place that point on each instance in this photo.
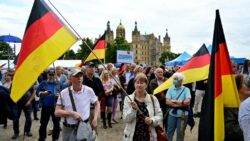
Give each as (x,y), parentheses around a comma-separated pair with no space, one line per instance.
(178,76)
(247,81)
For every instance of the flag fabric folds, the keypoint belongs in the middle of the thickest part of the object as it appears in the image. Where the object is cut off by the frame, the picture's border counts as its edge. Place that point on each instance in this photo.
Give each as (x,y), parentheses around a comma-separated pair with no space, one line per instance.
(195,69)
(45,39)
(222,91)
(99,49)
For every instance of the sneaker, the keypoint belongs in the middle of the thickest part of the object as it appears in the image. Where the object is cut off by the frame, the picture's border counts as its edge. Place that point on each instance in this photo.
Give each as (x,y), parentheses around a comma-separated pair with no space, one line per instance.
(28,134)
(36,118)
(15,136)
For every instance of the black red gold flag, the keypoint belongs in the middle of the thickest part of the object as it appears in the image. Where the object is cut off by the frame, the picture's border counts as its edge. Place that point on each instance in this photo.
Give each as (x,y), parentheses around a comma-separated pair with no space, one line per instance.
(222,91)
(45,39)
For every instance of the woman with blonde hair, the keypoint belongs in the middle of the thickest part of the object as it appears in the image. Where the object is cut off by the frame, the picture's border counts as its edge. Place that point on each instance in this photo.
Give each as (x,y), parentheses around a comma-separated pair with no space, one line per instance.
(116,91)
(141,113)
(107,99)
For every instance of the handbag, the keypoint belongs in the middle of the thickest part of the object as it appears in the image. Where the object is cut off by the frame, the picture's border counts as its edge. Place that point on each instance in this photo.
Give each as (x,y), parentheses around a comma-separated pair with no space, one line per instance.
(83,131)
(161,134)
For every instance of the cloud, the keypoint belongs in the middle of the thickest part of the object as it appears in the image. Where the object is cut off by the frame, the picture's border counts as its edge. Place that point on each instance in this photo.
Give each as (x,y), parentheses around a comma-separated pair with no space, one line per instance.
(189,23)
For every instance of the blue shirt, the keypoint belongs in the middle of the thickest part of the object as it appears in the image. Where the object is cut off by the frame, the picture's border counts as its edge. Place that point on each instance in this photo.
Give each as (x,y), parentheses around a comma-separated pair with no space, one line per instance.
(173,93)
(244,118)
(53,88)
(128,76)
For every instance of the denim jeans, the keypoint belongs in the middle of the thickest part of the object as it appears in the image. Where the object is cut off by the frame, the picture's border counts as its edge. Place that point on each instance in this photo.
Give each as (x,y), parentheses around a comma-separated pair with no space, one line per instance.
(27,112)
(178,123)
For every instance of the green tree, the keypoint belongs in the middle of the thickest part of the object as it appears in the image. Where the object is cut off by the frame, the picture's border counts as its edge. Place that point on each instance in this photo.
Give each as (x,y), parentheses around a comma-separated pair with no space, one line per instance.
(110,53)
(68,55)
(111,49)
(84,51)
(167,56)
(6,51)
(121,44)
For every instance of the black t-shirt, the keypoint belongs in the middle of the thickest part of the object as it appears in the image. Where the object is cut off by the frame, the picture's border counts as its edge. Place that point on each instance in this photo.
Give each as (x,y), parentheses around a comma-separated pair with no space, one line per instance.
(95,84)
(200,85)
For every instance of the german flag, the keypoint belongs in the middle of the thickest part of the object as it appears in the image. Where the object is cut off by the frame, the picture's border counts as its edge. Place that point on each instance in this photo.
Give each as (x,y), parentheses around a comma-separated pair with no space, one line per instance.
(45,39)
(222,90)
(196,69)
(99,49)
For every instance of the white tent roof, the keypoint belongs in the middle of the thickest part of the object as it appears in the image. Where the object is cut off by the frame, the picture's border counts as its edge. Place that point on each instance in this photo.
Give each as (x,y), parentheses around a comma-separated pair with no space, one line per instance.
(63,63)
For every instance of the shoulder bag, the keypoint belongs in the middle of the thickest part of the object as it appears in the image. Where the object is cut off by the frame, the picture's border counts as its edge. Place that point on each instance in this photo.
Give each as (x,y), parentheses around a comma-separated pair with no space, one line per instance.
(83,131)
(161,134)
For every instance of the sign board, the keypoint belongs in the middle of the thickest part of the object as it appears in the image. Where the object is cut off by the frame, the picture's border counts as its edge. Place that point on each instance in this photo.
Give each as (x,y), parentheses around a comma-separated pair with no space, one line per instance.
(125,56)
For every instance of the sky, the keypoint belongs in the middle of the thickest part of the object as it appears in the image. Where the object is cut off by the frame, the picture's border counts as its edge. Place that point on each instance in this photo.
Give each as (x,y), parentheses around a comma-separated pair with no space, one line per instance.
(190,23)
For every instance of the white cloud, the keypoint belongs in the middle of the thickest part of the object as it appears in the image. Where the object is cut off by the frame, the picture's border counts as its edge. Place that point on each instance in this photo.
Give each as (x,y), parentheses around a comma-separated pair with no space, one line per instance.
(190,23)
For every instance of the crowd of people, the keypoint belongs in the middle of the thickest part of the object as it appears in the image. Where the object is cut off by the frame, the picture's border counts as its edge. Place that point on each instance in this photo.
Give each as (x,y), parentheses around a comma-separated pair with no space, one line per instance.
(75,97)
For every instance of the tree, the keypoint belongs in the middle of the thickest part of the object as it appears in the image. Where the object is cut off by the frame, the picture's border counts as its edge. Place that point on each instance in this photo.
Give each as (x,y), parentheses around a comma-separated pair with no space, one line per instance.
(121,44)
(84,51)
(167,56)
(69,55)
(6,51)
(110,53)
(111,49)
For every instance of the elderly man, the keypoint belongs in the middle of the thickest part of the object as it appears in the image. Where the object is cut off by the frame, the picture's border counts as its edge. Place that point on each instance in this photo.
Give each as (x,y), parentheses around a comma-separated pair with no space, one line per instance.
(159,79)
(74,104)
(61,77)
(178,97)
(154,83)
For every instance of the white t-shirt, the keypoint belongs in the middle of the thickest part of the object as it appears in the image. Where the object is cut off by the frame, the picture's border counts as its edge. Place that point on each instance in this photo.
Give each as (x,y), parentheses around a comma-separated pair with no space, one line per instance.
(82,100)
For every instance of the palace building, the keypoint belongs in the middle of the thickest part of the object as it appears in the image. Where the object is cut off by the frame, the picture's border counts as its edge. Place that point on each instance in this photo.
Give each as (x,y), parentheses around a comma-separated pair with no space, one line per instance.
(147,48)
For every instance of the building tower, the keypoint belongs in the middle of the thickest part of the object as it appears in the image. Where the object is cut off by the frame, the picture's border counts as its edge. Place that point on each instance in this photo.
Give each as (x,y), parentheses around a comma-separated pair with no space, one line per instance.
(109,37)
(120,31)
(136,44)
(166,42)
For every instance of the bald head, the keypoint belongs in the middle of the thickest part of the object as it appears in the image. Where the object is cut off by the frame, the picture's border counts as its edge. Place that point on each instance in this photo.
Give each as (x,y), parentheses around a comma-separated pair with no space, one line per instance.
(159,73)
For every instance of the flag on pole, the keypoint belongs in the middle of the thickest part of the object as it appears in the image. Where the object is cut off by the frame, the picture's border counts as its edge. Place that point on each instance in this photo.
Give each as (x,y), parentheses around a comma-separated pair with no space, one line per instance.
(45,39)
(222,91)
(195,69)
(99,49)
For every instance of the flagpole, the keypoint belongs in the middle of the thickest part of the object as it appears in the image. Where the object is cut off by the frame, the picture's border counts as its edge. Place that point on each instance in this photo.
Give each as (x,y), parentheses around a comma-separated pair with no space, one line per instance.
(78,35)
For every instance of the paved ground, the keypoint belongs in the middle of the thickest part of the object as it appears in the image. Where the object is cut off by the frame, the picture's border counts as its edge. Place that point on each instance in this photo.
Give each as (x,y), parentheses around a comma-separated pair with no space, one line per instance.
(110,134)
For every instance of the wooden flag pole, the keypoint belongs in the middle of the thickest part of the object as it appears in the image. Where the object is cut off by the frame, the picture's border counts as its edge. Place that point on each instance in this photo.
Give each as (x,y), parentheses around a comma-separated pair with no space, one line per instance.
(78,35)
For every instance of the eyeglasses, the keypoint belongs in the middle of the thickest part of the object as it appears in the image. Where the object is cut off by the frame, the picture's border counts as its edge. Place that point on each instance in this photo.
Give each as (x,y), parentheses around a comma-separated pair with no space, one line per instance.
(51,74)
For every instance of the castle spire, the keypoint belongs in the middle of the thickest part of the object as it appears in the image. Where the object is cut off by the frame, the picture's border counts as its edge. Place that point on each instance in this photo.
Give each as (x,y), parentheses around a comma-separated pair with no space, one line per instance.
(166,38)
(135,26)
(108,26)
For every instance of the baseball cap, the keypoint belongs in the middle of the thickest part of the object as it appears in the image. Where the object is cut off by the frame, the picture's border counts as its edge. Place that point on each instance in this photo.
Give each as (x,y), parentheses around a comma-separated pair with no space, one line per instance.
(90,64)
(51,71)
(74,72)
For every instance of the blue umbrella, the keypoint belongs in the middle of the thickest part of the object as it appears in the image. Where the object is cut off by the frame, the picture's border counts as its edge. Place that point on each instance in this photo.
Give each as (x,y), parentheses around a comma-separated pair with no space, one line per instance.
(10,39)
